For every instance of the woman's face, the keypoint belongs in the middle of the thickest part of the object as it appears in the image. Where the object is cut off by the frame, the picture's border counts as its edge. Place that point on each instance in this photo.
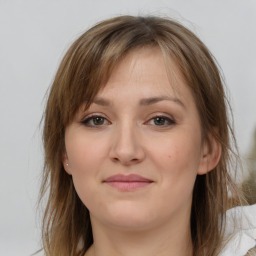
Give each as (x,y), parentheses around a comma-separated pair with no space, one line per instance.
(135,153)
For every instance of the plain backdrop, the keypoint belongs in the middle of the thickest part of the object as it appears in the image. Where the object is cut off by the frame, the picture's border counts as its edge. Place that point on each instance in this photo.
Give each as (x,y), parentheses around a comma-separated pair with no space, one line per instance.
(35,34)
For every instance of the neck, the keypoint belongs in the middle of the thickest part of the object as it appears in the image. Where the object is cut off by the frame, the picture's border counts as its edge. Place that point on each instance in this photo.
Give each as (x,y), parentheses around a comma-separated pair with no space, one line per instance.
(163,241)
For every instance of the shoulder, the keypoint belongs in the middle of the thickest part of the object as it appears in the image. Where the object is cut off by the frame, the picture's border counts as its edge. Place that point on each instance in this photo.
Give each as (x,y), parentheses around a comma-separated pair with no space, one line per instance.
(240,233)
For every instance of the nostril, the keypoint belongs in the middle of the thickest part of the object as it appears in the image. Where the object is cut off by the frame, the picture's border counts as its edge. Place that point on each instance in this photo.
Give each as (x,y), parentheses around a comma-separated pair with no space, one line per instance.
(126,151)
(125,161)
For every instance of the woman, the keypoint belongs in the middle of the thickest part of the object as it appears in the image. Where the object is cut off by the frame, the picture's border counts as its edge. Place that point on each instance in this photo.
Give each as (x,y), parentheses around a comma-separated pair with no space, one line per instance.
(137,146)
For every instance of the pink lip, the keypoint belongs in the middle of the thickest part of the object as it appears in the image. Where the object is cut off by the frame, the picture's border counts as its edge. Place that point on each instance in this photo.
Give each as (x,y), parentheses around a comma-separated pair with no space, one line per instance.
(127,182)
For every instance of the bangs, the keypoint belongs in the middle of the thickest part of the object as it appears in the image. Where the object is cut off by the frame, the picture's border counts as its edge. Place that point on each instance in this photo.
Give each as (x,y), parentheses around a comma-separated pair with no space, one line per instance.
(89,62)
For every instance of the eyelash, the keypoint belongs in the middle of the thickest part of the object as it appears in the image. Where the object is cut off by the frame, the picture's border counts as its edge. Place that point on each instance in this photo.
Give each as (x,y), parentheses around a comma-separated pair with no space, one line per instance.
(93,117)
(87,120)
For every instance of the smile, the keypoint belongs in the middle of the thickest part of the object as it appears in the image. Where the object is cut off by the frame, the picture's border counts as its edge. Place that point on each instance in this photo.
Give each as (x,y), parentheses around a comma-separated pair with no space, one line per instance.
(127,182)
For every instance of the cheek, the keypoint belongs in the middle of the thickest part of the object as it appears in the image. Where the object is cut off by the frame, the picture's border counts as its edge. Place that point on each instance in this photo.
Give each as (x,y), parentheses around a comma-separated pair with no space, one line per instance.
(180,152)
(85,156)
(177,162)
(85,153)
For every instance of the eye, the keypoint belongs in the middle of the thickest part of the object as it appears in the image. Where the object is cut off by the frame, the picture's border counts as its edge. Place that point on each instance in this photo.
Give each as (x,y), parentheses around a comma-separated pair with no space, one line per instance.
(93,121)
(161,121)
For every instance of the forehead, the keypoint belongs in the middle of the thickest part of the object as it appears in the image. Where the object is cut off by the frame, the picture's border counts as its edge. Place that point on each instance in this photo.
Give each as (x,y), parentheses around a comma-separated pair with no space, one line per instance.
(146,72)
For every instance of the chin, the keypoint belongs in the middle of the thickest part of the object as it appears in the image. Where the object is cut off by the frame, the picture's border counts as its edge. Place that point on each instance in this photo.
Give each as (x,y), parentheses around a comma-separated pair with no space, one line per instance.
(129,218)
(126,223)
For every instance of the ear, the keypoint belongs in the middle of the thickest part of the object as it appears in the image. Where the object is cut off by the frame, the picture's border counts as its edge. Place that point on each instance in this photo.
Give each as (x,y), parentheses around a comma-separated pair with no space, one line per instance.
(210,156)
(65,163)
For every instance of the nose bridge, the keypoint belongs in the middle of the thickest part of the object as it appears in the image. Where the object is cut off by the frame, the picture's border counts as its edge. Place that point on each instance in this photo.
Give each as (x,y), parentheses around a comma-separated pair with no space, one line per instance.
(127,146)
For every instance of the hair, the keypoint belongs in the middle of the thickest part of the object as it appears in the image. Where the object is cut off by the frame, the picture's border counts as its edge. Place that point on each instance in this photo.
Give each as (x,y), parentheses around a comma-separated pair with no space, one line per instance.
(83,71)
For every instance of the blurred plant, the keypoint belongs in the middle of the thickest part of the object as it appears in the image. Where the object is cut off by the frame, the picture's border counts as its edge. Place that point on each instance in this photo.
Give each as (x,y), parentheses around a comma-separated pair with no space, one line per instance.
(249,183)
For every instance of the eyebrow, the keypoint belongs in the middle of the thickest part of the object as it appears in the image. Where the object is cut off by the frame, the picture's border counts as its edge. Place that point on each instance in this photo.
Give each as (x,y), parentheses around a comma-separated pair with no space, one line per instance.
(142,102)
(153,100)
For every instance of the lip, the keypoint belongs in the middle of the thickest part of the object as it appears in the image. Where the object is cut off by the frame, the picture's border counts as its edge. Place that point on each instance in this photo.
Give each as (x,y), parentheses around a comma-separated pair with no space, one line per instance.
(128,182)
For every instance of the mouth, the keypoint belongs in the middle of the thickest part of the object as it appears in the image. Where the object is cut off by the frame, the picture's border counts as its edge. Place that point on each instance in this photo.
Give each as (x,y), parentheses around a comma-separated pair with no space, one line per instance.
(127,182)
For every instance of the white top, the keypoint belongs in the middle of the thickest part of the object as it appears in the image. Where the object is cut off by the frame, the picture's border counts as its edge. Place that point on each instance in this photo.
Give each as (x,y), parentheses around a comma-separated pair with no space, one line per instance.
(241,237)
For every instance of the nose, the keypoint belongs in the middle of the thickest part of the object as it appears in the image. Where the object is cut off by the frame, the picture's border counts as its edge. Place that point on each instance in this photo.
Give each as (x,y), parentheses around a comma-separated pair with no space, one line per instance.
(127,145)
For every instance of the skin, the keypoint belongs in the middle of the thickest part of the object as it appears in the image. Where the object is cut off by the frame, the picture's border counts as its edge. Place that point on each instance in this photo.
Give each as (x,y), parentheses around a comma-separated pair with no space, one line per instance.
(129,139)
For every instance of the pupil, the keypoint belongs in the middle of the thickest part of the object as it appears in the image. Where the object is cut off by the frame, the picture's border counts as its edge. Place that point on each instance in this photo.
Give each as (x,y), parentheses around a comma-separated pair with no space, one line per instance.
(98,120)
(159,120)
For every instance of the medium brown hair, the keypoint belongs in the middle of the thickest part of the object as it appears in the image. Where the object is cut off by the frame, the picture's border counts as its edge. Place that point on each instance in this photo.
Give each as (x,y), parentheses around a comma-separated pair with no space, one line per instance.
(83,71)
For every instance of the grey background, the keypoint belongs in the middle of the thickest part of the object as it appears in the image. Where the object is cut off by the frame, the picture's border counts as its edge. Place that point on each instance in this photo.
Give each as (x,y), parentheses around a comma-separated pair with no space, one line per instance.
(34,36)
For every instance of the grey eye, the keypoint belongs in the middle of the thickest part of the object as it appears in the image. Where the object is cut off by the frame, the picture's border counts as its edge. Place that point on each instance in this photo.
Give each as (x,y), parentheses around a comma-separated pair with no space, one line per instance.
(159,121)
(162,121)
